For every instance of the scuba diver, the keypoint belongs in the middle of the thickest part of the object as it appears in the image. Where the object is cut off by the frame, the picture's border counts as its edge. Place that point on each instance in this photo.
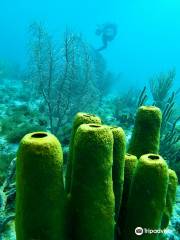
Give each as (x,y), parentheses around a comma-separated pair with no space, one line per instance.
(107,32)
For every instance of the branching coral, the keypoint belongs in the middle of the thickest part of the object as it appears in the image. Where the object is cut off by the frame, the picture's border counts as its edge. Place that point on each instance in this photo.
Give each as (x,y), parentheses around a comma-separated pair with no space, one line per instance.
(142,97)
(160,87)
(169,147)
(68,78)
(168,111)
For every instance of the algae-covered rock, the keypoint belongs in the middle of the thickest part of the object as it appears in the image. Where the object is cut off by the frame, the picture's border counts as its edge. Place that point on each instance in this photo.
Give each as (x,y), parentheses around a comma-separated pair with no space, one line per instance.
(40,190)
(80,118)
(119,149)
(130,166)
(146,133)
(170,199)
(147,197)
(92,200)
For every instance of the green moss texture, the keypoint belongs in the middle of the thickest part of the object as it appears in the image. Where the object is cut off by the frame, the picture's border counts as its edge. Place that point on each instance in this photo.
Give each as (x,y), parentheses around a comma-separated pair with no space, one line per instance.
(146,133)
(130,166)
(80,118)
(147,197)
(119,149)
(170,199)
(92,200)
(40,192)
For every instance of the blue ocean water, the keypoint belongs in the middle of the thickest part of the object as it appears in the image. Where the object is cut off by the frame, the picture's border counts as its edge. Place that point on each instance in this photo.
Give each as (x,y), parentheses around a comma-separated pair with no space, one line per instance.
(148,31)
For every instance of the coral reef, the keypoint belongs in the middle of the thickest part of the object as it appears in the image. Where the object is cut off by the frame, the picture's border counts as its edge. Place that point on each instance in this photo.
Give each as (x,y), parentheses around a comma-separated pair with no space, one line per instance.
(40,196)
(165,96)
(20,119)
(7,200)
(60,79)
(110,193)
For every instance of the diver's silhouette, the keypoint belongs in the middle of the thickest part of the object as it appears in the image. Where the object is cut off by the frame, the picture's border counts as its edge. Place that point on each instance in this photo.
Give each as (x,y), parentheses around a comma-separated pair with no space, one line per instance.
(107,32)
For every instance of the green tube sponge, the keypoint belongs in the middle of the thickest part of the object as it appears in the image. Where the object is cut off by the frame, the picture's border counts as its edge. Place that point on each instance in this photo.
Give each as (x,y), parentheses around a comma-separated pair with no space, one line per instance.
(80,118)
(130,166)
(119,149)
(147,197)
(146,133)
(40,192)
(92,200)
(170,199)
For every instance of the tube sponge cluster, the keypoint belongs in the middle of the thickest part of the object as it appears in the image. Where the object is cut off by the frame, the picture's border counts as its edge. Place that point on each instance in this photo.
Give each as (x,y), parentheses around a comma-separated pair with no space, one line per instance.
(108,192)
(147,197)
